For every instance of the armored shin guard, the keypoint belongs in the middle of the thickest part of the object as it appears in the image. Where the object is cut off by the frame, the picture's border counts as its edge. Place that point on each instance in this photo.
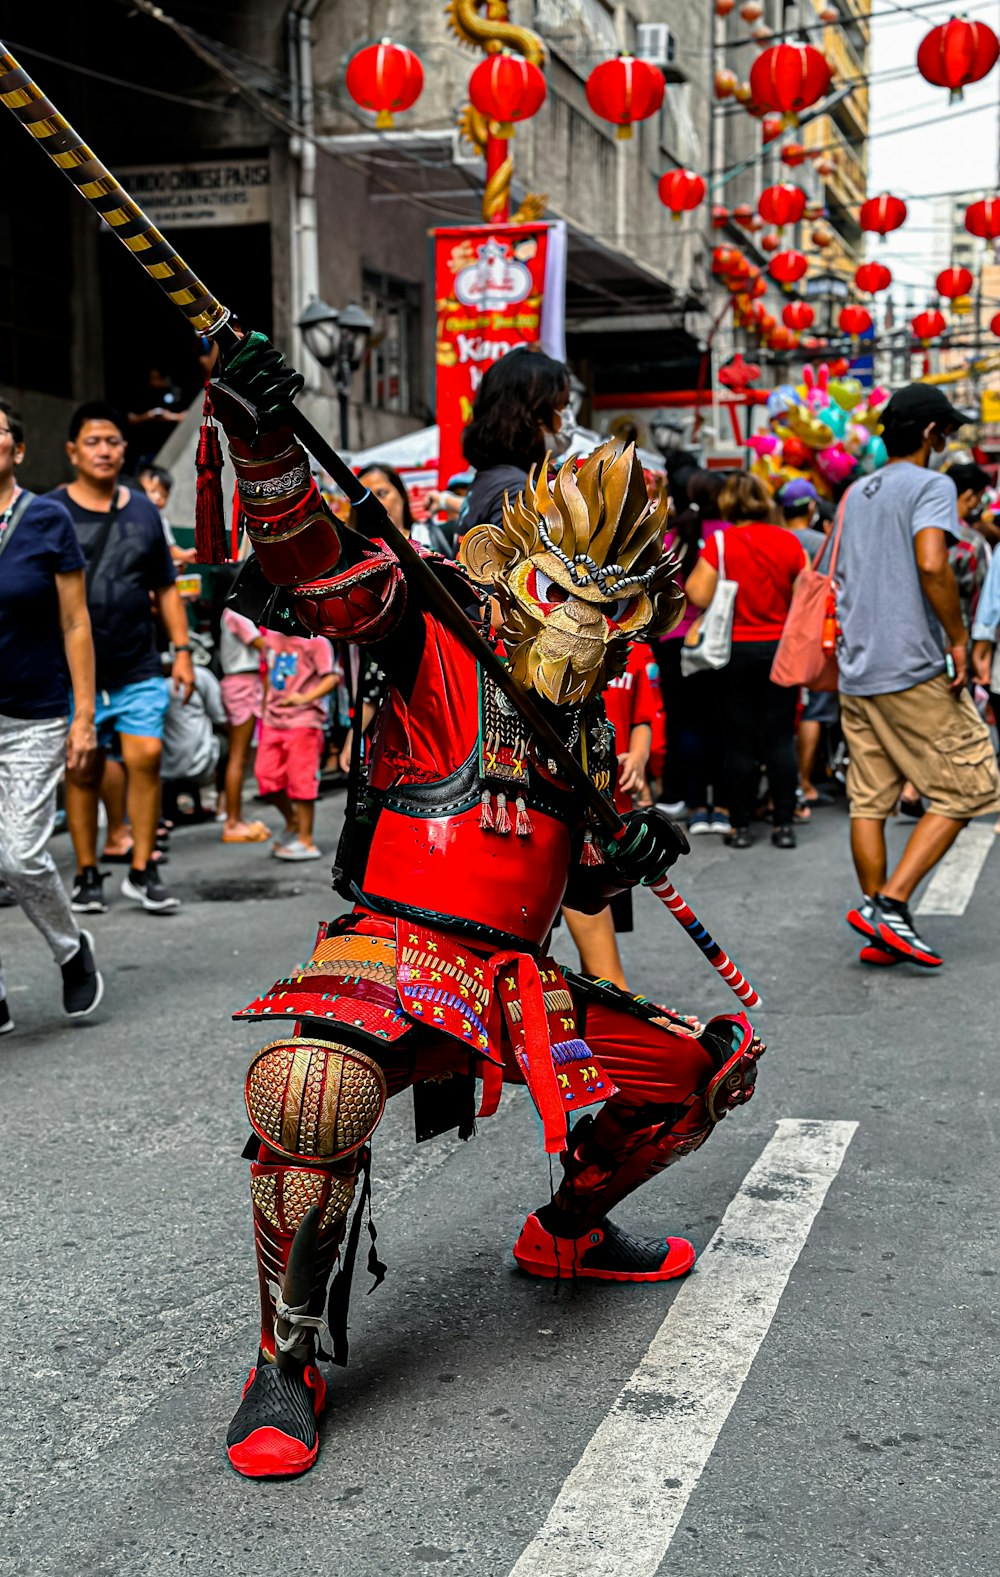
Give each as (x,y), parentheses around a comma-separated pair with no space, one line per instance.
(313,1104)
(627,1144)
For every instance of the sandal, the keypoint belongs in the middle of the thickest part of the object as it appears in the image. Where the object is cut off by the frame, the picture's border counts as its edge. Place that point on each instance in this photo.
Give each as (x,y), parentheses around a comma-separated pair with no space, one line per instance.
(256,832)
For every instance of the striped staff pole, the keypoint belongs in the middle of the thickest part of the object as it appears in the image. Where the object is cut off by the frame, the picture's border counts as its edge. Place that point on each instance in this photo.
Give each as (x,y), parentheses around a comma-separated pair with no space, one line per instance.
(685,916)
(56,137)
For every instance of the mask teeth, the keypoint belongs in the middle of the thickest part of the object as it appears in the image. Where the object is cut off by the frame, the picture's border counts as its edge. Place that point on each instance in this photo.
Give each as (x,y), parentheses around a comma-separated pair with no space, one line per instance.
(591,851)
(503,818)
(486,812)
(522,822)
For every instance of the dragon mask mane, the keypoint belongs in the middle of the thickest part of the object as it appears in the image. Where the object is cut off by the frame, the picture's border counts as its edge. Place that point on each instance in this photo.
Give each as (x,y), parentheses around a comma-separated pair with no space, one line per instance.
(579,572)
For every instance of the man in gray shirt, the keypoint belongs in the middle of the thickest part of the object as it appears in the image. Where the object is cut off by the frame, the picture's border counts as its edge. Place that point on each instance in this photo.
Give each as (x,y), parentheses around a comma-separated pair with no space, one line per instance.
(905,706)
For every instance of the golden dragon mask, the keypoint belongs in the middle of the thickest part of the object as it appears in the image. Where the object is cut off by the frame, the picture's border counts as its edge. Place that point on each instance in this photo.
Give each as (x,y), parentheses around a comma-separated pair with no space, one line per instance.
(579,572)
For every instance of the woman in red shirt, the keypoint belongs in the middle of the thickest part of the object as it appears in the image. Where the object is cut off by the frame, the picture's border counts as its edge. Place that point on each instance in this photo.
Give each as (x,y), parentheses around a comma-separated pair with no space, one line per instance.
(765,561)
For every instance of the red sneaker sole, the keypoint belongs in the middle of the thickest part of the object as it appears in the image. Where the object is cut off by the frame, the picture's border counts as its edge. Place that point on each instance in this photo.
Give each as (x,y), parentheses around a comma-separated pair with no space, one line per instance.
(912,955)
(879,957)
(858,923)
(682,1257)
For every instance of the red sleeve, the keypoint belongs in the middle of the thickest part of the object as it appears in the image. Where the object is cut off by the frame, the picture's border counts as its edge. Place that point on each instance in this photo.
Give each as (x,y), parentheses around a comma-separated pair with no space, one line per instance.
(710,552)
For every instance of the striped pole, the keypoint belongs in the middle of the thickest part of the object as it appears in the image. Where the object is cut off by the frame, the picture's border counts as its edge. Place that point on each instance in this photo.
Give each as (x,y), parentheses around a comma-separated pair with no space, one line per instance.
(685,916)
(56,137)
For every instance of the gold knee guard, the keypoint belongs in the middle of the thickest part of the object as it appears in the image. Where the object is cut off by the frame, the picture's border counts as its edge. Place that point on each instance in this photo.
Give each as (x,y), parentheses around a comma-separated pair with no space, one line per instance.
(314,1100)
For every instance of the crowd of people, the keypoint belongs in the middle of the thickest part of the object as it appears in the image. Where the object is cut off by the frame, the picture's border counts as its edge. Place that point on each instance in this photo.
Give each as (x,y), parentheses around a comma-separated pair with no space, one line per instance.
(112,694)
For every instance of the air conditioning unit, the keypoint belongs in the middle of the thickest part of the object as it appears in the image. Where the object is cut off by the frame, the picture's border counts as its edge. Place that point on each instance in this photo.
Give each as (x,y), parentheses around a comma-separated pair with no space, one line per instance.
(656,44)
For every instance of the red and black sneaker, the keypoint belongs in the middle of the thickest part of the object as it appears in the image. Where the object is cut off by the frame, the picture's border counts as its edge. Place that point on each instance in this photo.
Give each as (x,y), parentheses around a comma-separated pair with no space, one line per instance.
(604,1253)
(273,1433)
(896,933)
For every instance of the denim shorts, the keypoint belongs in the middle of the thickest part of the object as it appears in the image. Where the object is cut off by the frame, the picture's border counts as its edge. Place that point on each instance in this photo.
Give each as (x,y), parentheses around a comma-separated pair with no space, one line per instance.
(133,709)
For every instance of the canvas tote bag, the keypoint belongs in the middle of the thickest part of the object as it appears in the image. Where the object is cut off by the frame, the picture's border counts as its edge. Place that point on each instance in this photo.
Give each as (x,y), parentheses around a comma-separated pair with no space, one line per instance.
(708,643)
(800,658)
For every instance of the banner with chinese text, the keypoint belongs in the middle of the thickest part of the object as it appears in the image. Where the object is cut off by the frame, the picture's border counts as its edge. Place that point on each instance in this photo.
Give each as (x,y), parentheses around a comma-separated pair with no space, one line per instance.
(495,287)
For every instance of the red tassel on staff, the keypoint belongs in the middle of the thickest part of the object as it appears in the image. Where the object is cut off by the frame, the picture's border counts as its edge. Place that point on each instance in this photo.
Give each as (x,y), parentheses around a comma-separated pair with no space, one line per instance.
(209,510)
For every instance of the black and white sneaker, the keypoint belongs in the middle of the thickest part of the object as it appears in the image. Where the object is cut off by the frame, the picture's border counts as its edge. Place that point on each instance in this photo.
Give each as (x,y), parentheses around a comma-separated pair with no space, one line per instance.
(146,888)
(864,918)
(6,1022)
(88,891)
(83,985)
(895,931)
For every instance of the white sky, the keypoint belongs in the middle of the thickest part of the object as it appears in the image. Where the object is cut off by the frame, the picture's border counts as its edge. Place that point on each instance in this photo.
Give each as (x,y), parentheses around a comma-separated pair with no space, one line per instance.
(945,149)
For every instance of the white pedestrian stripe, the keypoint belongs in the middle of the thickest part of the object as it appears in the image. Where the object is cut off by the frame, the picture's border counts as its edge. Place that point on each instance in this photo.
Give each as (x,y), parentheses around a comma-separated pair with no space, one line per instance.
(622,1503)
(954,881)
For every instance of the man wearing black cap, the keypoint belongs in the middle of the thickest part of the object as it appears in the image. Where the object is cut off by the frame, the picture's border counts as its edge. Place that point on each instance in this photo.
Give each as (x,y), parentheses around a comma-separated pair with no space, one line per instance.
(905,707)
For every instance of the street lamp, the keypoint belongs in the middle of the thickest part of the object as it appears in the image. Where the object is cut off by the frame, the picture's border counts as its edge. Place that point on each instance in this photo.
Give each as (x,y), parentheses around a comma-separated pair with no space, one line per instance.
(338,341)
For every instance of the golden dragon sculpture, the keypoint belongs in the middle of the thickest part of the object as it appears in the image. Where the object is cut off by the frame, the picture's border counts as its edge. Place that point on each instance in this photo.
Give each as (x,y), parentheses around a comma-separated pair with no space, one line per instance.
(485,25)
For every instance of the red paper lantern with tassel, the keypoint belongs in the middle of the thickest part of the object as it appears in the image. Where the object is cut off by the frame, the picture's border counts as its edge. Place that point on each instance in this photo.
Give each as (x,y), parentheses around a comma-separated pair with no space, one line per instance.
(681,191)
(782,204)
(386,78)
(506,88)
(624,90)
(787,267)
(789,78)
(954,282)
(983,218)
(928,325)
(957,53)
(855,321)
(798,315)
(872,277)
(882,214)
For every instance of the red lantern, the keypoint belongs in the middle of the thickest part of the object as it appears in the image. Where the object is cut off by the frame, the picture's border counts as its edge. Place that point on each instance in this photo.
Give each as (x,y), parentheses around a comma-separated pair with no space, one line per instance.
(506,88)
(752,11)
(873,277)
(726,259)
(821,238)
(855,321)
(386,78)
(798,315)
(954,282)
(771,126)
(625,90)
(882,214)
(789,77)
(783,338)
(770,242)
(983,218)
(759,287)
(794,154)
(680,191)
(782,205)
(723,7)
(957,53)
(743,215)
(726,83)
(995,324)
(720,216)
(928,325)
(787,267)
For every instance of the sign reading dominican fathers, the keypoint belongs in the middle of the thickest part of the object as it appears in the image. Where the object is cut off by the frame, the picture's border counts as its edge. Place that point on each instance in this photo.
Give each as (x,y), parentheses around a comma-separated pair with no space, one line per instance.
(203,194)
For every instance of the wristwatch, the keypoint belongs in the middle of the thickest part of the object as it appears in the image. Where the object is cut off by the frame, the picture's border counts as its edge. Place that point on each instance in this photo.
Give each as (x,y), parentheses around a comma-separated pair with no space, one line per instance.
(181,649)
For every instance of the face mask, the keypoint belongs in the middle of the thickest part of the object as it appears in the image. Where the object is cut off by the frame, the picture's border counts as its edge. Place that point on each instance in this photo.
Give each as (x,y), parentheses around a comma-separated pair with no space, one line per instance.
(560,442)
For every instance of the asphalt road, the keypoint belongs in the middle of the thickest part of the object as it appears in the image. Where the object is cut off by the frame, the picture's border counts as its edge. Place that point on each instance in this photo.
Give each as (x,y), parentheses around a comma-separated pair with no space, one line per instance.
(862,1440)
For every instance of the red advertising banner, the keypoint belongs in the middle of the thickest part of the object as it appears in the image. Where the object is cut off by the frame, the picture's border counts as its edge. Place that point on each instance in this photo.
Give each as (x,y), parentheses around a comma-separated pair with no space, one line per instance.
(495,287)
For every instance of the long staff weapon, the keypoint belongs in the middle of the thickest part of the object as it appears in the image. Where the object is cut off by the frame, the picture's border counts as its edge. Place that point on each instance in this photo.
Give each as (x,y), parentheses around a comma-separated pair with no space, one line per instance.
(207,315)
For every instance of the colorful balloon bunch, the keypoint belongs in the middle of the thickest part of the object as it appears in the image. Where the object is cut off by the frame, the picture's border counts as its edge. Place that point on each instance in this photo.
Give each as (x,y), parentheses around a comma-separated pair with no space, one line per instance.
(825,429)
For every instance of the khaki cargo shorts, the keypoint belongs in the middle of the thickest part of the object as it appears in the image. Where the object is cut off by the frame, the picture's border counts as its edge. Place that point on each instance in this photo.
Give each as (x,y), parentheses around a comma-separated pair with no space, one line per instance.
(930,735)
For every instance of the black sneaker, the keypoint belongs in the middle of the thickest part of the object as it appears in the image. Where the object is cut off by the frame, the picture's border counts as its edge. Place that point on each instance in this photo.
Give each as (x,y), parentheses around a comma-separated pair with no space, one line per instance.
(146,888)
(739,838)
(6,1022)
(83,986)
(88,891)
(895,931)
(783,837)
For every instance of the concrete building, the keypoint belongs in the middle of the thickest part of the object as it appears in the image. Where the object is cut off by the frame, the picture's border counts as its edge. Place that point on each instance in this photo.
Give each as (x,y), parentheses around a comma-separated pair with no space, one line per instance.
(203,129)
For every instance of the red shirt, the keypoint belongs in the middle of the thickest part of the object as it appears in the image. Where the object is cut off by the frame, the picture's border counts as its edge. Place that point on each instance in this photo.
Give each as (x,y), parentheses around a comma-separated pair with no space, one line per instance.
(635,697)
(764,561)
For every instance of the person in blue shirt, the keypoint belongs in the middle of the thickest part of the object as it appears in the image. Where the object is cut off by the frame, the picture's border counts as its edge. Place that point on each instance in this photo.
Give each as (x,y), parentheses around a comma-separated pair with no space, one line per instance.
(46,656)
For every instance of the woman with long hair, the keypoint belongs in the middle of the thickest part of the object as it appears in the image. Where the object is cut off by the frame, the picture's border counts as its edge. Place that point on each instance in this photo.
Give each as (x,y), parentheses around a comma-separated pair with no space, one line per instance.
(520,414)
(758,716)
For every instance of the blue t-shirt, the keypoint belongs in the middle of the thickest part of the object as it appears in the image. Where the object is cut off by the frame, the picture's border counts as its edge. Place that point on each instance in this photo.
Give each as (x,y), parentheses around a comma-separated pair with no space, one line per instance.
(135,561)
(34,679)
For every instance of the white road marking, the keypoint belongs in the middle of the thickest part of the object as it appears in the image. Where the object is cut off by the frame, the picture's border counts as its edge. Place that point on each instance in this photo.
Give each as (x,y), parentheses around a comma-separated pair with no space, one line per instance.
(621,1505)
(954,881)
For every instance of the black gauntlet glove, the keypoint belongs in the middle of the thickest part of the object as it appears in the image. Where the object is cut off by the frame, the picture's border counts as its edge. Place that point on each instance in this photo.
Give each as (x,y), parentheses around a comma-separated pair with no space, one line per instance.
(650,846)
(255,384)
